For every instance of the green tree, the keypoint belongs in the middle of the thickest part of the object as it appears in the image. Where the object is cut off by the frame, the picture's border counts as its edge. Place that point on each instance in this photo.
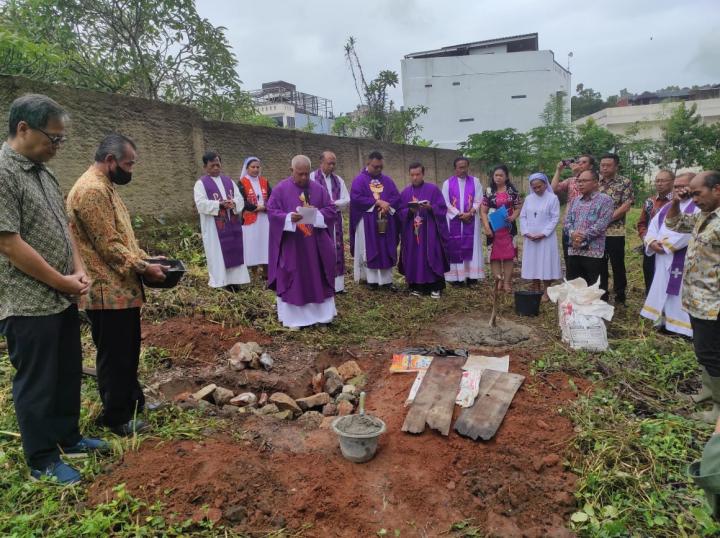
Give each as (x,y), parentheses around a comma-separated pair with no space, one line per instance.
(552,140)
(586,102)
(159,49)
(506,146)
(685,139)
(379,119)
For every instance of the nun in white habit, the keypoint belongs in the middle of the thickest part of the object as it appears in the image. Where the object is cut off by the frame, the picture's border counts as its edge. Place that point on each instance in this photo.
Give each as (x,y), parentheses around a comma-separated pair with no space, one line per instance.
(538,219)
(256,226)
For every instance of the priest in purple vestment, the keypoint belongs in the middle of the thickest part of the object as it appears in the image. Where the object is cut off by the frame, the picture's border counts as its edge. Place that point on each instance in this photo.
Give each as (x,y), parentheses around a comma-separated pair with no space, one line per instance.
(301,268)
(423,235)
(374,198)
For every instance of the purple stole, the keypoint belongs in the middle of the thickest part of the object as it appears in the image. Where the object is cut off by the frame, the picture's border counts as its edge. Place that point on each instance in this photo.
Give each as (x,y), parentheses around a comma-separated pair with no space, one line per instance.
(227,223)
(340,255)
(462,235)
(678,263)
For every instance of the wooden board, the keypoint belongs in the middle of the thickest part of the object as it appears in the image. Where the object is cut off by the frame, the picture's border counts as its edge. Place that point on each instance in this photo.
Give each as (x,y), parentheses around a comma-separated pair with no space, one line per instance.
(435,399)
(483,418)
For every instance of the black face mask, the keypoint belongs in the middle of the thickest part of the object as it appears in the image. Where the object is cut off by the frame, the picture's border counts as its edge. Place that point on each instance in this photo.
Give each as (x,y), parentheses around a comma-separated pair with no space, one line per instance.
(120,176)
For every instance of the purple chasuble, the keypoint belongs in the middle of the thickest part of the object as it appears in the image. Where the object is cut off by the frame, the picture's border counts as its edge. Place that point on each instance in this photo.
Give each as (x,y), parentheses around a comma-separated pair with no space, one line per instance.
(227,222)
(339,253)
(301,268)
(424,235)
(462,234)
(380,249)
(678,264)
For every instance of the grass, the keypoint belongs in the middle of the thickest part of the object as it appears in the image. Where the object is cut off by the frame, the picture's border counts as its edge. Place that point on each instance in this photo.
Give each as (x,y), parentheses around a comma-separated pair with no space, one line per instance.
(630,451)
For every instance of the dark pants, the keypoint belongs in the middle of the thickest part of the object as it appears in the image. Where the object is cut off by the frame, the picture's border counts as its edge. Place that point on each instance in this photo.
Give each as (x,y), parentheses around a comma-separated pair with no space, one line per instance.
(615,253)
(585,267)
(706,341)
(648,271)
(428,287)
(46,352)
(565,244)
(116,334)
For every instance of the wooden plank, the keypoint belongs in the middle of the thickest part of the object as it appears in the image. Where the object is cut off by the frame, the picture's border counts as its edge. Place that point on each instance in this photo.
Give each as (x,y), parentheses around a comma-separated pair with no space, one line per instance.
(435,399)
(482,420)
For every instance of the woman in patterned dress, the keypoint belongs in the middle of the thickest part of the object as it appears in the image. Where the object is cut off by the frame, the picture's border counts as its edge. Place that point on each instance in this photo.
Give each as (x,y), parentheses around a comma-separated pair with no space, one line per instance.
(502,193)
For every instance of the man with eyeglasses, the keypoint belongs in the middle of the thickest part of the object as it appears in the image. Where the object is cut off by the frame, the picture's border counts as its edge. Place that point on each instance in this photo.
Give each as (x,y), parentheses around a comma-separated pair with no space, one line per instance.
(586,222)
(663,194)
(41,277)
(569,186)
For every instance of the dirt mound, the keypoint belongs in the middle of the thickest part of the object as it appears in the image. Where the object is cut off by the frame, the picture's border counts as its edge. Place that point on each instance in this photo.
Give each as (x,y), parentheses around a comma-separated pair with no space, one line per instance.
(474,332)
(418,484)
(193,341)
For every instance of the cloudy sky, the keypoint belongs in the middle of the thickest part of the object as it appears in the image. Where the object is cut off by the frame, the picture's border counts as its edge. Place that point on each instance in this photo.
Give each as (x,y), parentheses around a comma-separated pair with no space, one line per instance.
(634,44)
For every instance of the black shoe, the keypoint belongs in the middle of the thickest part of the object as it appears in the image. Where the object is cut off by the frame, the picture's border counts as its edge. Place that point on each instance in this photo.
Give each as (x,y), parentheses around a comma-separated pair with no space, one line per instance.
(373,286)
(472,281)
(457,284)
(390,287)
(131,427)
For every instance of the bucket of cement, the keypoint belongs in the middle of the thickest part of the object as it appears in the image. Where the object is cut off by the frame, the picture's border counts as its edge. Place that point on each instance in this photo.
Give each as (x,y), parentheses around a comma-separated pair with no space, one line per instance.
(358,436)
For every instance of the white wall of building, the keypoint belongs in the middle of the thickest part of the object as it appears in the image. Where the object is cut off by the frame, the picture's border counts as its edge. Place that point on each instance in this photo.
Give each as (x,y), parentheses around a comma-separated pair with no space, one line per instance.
(481,91)
(649,118)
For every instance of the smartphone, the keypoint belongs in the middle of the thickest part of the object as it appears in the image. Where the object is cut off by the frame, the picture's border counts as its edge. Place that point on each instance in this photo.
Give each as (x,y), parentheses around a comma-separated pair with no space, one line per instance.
(568,162)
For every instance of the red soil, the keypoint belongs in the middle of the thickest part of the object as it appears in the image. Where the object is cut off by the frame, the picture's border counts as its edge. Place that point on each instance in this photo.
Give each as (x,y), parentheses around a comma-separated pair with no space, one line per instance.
(282,475)
(196,341)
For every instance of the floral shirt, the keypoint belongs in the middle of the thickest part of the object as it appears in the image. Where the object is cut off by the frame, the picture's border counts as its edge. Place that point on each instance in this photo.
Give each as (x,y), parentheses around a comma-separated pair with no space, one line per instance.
(591,215)
(650,208)
(31,205)
(620,190)
(511,199)
(103,232)
(701,279)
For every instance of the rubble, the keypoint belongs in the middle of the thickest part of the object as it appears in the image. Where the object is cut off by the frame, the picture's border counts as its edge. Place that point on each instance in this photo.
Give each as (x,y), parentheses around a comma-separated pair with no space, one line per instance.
(310,419)
(287,414)
(244,399)
(316,400)
(348,370)
(318,383)
(249,355)
(221,396)
(263,399)
(269,409)
(345,408)
(345,397)
(205,392)
(330,410)
(285,402)
(333,384)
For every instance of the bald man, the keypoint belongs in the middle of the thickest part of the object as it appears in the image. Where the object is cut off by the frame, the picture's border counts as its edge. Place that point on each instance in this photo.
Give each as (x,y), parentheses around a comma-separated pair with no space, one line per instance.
(340,197)
(301,268)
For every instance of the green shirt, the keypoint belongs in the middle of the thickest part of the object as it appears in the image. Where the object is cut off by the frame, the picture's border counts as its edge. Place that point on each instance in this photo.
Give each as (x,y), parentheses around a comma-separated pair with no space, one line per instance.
(31,204)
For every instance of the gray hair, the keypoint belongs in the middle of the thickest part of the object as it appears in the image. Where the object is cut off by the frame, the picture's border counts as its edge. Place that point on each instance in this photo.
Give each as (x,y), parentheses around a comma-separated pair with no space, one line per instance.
(299,160)
(113,144)
(34,109)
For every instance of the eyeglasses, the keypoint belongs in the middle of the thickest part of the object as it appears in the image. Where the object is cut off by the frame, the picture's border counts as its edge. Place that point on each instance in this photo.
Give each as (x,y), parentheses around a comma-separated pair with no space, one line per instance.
(55,140)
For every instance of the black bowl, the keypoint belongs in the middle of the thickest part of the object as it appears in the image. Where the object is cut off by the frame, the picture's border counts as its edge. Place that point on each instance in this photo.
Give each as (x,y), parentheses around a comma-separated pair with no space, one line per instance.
(174,273)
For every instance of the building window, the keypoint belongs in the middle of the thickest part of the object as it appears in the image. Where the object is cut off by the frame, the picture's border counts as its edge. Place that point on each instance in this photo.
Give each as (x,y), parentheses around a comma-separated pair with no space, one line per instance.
(428,85)
(462,120)
(456,84)
(518,97)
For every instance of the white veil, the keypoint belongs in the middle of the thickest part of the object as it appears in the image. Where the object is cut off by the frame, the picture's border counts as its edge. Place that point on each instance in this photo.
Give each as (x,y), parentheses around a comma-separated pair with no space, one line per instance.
(245,165)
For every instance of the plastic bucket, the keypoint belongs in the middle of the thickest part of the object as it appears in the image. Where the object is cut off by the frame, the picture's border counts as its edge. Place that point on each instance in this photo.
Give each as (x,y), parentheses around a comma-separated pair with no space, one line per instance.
(355,447)
(527,303)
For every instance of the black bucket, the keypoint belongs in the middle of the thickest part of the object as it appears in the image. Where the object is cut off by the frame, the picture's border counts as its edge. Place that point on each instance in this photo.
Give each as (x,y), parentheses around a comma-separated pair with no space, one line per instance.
(527,303)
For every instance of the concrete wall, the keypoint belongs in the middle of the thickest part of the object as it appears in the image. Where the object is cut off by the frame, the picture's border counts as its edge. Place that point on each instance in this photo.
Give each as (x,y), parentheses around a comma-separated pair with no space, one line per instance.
(479,89)
(171,140)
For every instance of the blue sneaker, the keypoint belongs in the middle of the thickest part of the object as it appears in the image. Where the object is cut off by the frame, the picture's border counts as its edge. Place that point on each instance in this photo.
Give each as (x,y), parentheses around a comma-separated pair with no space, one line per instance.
(84,447)
(58,472)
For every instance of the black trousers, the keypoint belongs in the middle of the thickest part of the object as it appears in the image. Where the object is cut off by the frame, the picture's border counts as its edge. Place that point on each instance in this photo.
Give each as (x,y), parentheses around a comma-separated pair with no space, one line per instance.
(427,287)
(585,267)
(615,254)
(565,245)
(706,341)
(648,271)
(116,334)
(46,352)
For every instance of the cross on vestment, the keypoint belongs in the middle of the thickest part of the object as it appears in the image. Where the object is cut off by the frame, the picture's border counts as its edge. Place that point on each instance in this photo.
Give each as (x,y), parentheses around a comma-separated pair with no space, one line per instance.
(676,273)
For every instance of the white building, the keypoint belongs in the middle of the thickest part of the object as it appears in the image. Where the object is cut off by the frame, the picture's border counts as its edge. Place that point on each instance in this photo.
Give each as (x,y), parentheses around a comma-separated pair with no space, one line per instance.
(649,118)
(292,109)
(482,86)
